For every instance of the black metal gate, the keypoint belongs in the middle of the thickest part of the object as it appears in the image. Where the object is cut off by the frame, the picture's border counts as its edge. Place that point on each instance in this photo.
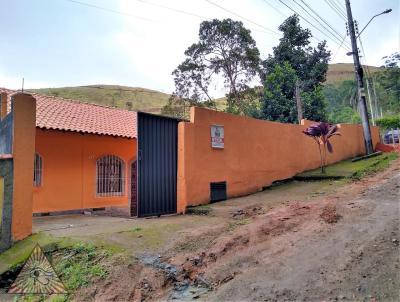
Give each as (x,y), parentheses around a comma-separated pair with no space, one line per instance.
(157,164)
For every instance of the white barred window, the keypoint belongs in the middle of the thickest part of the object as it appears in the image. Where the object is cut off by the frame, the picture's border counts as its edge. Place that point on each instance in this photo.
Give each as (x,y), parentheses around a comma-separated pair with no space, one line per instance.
(37,170)
(110,180)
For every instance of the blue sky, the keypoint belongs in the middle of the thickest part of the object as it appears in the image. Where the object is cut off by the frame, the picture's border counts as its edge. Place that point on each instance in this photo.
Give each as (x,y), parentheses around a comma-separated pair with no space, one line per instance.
(54,43)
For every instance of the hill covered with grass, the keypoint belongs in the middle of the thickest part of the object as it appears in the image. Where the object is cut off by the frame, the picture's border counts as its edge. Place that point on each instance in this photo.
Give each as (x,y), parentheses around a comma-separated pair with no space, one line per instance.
(135,98)
(337,73)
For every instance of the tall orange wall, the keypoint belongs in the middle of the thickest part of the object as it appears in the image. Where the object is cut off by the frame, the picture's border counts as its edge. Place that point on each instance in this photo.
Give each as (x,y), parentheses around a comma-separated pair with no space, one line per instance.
(256,153)
(24,125)
(69,170)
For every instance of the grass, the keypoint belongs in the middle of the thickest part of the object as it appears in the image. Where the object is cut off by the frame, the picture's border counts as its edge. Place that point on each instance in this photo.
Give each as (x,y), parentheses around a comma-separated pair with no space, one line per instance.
(79,265)
(21,250)
(349,169)
(76,264)
(380,163)
(338,73)
(112,95)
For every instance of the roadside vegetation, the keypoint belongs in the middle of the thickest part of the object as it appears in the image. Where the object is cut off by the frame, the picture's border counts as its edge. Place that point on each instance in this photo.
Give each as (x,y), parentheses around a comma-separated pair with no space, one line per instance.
(351,170)
(77,265)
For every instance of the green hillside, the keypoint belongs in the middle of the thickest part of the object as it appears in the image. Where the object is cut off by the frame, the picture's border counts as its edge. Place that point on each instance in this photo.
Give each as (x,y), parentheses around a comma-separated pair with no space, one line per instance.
(112,95)
(340,72)
(148,100)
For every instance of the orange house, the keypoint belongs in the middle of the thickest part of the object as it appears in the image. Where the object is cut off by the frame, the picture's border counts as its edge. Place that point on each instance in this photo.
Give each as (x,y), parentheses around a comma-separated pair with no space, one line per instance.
(84,156)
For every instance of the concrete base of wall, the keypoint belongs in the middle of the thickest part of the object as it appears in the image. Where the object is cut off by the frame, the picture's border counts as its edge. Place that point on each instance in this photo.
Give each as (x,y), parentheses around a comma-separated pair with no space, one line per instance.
(122,211)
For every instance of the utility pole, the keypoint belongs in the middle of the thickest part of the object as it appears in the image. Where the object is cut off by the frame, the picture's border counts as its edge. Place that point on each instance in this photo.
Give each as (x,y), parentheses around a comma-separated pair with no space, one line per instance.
(370,102)
(298,102)
(362,105)
(375,98)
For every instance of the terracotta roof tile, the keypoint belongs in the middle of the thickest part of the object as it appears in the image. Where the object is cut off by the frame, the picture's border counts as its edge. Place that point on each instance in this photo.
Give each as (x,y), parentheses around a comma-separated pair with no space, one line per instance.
(64,114)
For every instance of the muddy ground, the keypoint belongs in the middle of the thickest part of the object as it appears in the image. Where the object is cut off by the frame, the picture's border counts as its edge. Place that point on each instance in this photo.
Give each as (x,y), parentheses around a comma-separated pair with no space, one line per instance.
(299,242)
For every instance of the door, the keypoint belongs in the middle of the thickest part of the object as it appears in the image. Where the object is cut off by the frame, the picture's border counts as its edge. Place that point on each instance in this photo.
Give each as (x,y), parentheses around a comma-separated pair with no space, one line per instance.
(157,164)
(133,207)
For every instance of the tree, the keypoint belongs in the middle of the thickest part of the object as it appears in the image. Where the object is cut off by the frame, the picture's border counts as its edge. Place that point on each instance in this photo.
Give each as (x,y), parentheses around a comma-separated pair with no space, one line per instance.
(389,84)
(310,66)
(314,104)
(179,107)
(225,49)
(278,100)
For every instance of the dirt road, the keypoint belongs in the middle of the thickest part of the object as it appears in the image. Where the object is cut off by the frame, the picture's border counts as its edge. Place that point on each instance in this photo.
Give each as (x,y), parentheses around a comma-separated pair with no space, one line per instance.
(357,258)
(291,254)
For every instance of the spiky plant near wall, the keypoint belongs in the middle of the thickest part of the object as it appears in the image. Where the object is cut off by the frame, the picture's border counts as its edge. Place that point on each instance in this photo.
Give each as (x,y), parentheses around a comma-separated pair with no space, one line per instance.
(321,133)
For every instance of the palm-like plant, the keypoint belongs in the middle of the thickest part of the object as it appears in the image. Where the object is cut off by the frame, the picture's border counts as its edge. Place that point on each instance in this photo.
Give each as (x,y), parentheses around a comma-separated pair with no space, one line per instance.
(321,133)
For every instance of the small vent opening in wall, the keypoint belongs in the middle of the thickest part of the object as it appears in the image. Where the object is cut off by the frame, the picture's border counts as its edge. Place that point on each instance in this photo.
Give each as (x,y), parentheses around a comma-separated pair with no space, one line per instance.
(218,191)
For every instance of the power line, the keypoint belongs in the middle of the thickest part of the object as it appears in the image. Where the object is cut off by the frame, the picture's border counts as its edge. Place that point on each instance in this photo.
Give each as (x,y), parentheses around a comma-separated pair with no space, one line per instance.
(322,19)
(244,18)
(285,16)
(188,13)
(175,10)
(340,46)
(338,12)
(341,5)
(338,43)
(275,8)
(112,11)
(341,10)
(333,33)
(146,19)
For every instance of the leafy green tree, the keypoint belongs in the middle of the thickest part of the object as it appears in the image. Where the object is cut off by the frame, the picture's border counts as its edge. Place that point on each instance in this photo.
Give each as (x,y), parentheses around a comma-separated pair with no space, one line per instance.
(249,103)
(314,104)
(342,95)
(344,115)
(388,81)
(180,107)
(278,100)
(225,49)
(310,66)
(341,100)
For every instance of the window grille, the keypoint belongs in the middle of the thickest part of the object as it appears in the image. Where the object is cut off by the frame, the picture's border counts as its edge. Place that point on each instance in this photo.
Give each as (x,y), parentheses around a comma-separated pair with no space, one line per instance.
(110,176)
(37,170)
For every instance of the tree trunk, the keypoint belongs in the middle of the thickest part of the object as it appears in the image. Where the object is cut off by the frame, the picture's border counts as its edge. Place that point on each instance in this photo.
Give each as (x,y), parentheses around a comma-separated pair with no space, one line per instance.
(298,102)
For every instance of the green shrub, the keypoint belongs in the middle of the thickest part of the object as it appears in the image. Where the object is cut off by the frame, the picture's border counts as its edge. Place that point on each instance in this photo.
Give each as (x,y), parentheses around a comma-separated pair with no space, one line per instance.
(389,122)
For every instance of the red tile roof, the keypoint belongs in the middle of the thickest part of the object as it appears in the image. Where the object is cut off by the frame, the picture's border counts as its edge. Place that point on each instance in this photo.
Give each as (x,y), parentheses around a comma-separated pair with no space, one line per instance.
(64,114)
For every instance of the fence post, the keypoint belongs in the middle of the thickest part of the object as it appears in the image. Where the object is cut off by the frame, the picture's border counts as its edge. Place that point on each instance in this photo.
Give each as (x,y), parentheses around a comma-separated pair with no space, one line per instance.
(393,137)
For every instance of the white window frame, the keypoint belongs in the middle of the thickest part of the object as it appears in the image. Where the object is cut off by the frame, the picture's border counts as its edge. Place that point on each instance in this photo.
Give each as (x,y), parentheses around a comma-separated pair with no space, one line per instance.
(38,170)
(107,184)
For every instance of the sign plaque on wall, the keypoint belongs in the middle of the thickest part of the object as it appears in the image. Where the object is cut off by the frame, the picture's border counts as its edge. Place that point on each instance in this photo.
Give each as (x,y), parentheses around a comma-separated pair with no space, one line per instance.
(217,137)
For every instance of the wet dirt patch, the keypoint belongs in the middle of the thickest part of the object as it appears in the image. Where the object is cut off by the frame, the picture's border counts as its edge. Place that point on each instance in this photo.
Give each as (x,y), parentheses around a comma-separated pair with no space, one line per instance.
(162,278)
(329,214)
(247,212)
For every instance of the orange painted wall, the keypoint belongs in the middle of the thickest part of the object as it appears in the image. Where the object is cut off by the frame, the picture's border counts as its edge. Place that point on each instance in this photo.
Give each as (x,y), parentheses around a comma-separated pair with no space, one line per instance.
(256,153)
(69,170)
(24,116)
